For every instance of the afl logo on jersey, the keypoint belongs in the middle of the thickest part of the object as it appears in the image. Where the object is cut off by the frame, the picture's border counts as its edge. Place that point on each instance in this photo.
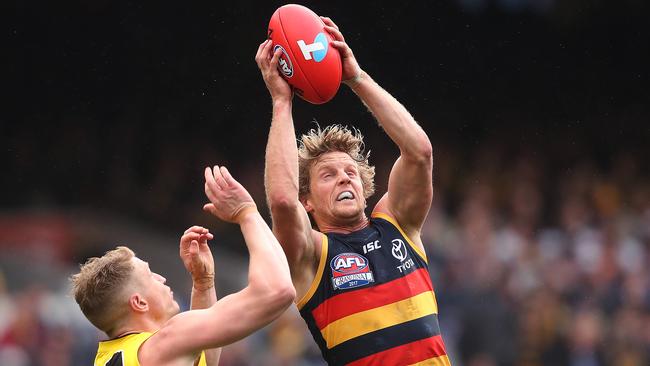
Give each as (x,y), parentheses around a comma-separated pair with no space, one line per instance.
(350,270)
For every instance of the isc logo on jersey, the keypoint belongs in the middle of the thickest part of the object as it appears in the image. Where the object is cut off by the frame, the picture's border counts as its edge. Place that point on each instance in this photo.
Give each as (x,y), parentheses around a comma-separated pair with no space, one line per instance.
(284,63)
(350,270)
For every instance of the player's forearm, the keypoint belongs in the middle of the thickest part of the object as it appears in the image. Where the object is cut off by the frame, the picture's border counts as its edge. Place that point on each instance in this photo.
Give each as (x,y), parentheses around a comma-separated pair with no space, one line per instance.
(204,295)
(281,162)
(394,118)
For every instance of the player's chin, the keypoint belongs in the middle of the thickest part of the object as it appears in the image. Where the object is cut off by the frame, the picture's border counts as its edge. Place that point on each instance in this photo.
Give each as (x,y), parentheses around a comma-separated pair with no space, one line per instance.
(349,211)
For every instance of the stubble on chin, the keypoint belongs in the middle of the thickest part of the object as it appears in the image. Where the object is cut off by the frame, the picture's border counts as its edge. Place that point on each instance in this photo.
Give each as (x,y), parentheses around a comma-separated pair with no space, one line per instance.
(348,214)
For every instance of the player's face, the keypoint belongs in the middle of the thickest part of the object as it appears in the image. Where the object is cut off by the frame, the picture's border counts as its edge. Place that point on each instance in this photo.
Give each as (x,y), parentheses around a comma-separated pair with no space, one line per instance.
(336,190)
(159,296)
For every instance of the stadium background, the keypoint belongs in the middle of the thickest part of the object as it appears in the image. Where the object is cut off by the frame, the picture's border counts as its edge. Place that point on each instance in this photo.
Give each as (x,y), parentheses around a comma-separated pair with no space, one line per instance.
(539,235)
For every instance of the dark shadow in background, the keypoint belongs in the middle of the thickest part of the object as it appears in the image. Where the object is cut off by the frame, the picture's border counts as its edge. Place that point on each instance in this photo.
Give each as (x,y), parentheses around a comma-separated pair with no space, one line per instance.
(119,105)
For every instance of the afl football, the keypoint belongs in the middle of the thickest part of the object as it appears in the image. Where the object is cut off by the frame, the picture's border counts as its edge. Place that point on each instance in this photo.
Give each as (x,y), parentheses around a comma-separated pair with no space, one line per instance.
(307,60)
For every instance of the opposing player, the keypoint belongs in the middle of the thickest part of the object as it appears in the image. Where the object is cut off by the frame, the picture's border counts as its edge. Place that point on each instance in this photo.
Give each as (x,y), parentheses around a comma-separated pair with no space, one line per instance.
(120,295)
(363,285)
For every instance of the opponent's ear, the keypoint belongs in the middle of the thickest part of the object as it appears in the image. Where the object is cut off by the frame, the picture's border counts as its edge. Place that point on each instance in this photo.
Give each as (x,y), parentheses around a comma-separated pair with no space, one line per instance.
(138,303)
(306,203)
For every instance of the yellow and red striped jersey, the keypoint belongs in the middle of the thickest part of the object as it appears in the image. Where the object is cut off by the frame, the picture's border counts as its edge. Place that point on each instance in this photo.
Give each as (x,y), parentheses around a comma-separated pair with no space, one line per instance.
(372,300)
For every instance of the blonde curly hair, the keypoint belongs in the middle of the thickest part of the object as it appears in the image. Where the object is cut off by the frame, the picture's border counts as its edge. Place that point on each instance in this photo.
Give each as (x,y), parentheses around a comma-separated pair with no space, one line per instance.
(336,137)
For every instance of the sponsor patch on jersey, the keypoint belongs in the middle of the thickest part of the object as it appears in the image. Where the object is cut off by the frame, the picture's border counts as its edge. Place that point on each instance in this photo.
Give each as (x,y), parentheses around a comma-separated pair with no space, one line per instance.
(399,250)
(350,270)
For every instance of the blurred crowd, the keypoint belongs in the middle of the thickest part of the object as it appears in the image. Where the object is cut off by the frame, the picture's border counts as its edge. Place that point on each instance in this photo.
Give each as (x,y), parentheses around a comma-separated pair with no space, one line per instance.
(541,266)
(535,261)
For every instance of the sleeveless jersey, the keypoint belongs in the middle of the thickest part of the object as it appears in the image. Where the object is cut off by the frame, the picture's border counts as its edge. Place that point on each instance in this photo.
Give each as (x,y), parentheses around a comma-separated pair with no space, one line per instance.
(123,351)
(372,301)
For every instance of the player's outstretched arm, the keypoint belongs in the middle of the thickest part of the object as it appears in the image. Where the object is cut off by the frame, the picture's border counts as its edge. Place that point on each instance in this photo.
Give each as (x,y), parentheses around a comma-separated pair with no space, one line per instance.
(197,258)
(291,224)
(268,294)
(409,188)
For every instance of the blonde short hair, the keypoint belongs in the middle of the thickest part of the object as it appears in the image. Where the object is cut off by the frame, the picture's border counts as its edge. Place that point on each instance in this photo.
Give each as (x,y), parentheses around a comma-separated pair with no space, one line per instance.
(97,286)
(334,138)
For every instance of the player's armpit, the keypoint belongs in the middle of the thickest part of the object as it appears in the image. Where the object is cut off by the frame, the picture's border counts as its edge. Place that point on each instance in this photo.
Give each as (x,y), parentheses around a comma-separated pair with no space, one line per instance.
(409,196)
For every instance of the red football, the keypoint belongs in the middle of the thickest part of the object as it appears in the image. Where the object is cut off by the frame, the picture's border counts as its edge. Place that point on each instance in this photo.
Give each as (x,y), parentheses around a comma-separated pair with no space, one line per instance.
(308,62)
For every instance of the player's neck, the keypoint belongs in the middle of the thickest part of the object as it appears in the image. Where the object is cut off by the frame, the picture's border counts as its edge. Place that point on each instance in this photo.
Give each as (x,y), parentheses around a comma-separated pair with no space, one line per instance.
(343,227)
(126,333)
(133,328)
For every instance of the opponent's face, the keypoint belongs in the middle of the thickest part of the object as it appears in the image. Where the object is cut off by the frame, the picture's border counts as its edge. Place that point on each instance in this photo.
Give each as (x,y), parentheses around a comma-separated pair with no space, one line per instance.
(336,190)
(160,297)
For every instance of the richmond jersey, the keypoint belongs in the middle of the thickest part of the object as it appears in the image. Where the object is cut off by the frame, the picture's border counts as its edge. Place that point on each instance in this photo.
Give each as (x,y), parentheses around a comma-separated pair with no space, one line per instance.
(123,351)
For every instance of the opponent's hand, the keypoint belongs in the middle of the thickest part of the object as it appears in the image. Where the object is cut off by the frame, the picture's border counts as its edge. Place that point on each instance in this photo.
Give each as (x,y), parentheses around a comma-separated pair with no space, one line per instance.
(230,200)
(351,71)
(267,61)
(197,257)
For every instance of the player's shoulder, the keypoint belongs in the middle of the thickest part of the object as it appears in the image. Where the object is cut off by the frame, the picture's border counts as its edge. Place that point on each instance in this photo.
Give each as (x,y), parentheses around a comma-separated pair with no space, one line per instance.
(383,211)
(121,350)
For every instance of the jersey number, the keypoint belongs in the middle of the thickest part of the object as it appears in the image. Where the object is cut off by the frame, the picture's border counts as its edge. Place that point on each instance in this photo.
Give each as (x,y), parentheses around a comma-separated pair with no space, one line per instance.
(116,360)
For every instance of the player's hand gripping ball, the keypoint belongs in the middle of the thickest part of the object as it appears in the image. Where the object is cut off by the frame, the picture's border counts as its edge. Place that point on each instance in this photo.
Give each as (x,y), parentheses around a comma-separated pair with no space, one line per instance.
(308,62)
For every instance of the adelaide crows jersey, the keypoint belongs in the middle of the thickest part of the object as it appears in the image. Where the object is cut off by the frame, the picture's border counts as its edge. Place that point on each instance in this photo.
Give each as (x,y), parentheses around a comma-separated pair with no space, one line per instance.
(372,301)
(123,351)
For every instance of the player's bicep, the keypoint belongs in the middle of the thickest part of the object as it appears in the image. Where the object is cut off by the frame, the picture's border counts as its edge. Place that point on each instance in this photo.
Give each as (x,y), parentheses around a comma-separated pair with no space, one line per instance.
(292,228)
(187,334)
(301,245)
(410,192)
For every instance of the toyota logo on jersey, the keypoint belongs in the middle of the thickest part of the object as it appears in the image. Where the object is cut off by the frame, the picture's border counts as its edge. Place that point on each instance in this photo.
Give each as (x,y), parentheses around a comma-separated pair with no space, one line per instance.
(399,250)
(350,270)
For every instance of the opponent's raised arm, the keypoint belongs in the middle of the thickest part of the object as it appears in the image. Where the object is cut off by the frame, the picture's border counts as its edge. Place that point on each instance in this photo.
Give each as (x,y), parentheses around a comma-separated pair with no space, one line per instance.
(197,258)
(268,293)
(291,224)
(410,184)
